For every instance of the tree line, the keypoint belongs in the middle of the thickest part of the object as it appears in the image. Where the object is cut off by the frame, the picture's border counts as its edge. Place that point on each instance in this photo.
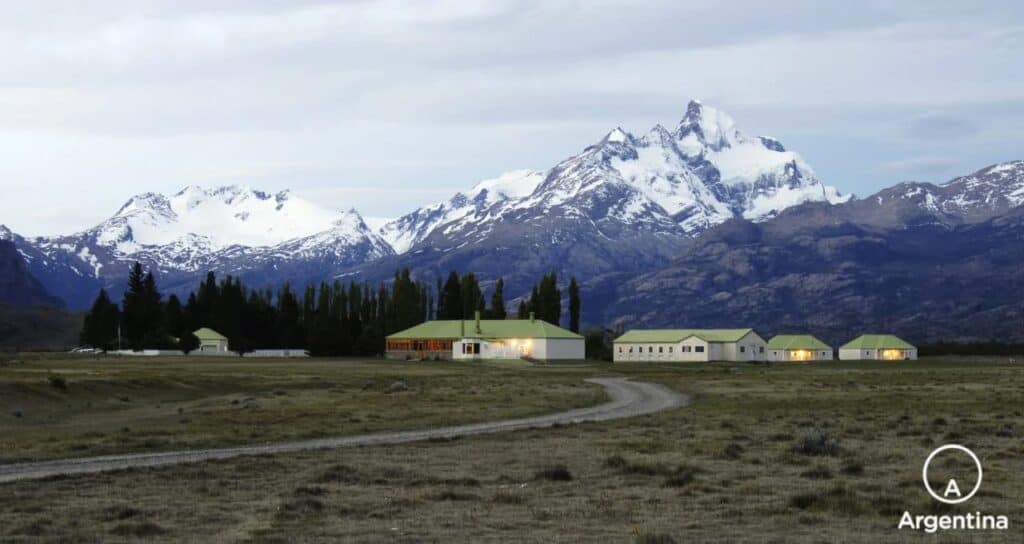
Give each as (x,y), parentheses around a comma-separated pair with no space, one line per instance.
(327,319)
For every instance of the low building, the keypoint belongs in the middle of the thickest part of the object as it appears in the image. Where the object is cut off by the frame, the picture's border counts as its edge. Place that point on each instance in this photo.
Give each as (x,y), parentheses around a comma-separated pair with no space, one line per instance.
(654,345)
(798,347)
(882,347)
(211,341)
(486,339)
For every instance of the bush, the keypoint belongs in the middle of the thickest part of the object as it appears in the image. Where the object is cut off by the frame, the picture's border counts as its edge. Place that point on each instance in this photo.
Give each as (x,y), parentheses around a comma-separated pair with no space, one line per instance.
(57,381)
(817,442)
(654,538)
(558,473)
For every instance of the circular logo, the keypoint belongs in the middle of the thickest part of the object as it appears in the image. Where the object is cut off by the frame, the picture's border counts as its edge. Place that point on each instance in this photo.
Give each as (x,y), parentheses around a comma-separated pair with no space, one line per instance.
(952,488)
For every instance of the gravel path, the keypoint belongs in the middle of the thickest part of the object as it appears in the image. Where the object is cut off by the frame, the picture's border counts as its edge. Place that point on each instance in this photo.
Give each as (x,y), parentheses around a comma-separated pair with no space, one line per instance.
(628,399)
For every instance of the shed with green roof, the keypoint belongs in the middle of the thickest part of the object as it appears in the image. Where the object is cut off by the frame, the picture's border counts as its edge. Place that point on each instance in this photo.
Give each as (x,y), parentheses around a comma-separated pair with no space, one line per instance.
(882,347)
(486,339)
(654,345)
(798,348)
(211,341)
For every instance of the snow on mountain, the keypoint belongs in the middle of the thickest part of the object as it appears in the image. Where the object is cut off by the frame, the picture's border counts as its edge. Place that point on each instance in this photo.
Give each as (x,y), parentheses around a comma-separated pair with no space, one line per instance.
(199,228)
(978,196)
(680,183)
(212,218)
(410,229)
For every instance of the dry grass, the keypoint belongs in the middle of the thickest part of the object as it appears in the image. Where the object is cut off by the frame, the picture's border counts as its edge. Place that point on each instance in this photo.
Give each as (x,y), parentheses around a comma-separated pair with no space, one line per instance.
(726,469)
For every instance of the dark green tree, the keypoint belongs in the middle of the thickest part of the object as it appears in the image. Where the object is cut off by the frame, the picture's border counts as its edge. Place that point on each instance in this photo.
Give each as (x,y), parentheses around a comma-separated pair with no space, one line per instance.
(174,317)
(99,329)
(574,306)
(497,310)
(450,300)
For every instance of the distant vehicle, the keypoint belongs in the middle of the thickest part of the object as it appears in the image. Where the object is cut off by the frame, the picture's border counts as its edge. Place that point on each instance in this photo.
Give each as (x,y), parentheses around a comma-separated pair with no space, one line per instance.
(86,349)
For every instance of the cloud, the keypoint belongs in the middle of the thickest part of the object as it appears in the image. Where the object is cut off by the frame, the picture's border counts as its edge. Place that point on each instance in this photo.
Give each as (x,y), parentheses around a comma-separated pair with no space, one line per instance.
(130,96)
(921,167)
(942,127)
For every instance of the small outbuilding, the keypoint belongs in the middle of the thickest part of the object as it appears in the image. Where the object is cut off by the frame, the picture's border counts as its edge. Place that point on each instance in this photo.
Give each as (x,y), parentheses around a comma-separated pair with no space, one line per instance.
(479,339)
(882,347)
(656,345)
(211,341)
(798,348)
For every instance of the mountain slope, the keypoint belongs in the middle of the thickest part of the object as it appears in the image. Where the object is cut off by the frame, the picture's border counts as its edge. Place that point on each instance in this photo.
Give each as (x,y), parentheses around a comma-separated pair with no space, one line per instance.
(700,175)
(17,286)
(921,260)
(266,239)
(623,205)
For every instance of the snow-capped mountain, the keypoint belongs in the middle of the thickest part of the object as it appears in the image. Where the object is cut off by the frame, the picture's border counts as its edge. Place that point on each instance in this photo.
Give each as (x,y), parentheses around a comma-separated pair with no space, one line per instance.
(233,230)
(975,197)
(677,183)
(412,228)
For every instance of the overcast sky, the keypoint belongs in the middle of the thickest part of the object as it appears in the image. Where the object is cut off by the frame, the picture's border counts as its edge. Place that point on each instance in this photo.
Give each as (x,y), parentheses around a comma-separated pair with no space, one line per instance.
(385,106)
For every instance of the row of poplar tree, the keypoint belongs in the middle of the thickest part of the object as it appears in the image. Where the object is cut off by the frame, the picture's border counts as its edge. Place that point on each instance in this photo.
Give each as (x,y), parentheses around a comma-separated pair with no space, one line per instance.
(329,319)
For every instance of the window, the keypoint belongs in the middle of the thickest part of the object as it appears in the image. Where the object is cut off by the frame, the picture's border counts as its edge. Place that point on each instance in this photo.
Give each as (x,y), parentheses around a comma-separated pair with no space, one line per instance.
(699,349)
(661,349)
(650,349)
(760,349)
(743,349)
(620,349)
(670,349)
(631,349)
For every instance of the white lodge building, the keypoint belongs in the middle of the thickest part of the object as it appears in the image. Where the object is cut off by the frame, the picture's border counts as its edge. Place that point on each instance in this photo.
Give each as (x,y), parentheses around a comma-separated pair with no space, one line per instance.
(654,345)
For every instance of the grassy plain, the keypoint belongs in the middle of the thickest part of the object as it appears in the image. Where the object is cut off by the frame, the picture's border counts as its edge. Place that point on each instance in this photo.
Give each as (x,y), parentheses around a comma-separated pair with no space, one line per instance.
(823,452)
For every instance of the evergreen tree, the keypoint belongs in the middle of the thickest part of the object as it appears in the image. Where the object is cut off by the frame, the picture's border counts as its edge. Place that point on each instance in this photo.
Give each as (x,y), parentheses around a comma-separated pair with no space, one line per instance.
(288,328)
(450,305)
(523,312)
(497,310)
(472,298)
(99,329)
(574,306)
(134,308)
(174,317)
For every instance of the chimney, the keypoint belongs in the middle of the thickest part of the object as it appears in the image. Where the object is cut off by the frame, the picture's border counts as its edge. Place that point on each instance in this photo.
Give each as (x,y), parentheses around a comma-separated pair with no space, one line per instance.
(477,316)
(531,317)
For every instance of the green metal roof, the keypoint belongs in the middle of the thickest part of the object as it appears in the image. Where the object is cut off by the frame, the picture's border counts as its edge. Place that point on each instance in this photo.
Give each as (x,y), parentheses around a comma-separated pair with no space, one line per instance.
(489,328)
(657,336)
(797,341)
(209,335)
(876,341)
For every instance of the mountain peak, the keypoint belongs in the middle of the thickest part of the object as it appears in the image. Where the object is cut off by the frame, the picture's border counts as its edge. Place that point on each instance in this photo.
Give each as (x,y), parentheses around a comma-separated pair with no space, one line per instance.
(708,126)
(617,135)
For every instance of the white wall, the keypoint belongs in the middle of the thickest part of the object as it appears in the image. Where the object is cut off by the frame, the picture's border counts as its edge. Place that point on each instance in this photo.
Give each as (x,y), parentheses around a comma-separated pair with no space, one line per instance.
(872,354)
(538,348)
(551,349)
(754,349)
(785,355)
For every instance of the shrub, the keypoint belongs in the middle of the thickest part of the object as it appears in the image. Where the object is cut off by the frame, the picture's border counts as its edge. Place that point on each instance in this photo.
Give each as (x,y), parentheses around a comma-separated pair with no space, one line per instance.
(557,473)
(654,538)
(452,495)
(817,442)
(615,461)
(57,381)
(138,530)
(119,513)
(732,451)
(853,468)
(817,473)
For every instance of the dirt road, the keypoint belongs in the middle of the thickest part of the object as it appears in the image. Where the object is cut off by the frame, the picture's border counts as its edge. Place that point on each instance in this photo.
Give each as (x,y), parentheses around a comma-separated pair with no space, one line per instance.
(628,399)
